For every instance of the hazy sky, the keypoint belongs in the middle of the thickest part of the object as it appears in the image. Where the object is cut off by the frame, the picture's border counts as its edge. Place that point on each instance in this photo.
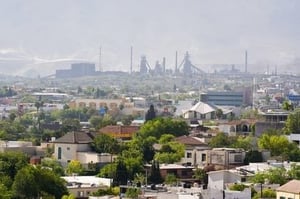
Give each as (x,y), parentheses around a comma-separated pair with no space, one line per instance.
(213,31)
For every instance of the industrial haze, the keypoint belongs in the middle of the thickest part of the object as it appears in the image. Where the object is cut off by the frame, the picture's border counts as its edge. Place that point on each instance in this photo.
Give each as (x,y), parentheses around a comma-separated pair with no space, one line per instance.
(39,37)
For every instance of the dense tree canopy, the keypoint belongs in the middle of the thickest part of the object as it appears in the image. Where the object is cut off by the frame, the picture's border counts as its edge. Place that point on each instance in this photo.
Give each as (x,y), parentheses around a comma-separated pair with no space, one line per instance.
(160,126)
(33,182)
(171,151)
(292,124)
(104,143)
(277,144)
(74,166)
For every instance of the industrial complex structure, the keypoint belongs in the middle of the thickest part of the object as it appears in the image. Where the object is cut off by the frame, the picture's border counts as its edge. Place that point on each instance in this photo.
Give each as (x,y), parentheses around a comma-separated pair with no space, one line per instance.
(185,68)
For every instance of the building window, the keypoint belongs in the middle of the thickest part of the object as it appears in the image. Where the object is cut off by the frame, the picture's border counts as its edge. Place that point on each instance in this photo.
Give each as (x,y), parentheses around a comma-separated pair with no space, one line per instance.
(203,157)
(238,158)
(184,173)
(188,155)
(59,153)
(281,197)
(68,148)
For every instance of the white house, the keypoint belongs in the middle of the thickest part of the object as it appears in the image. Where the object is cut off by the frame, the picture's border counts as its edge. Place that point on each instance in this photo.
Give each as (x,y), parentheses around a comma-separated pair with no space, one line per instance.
(77,146)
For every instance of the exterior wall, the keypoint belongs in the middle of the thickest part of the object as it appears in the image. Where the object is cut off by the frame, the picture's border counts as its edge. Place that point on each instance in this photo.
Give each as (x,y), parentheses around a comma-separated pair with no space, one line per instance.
(284,195)
(98,103)
(82,191)
(260,127)
(294,138)
(218,179)
(196,115)
(225,157)
(195,156)
(68,152)
(31,151)
(86,158)
(224,98)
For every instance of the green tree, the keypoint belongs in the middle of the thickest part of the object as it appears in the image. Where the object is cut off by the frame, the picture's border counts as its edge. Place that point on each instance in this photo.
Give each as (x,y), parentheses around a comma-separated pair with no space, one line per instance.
(294,172)
(286,105)
(199,175)
(277,145)
(74,166)
(25,185)
(246,143)
(150,115)
(95,121)
(71,196)
(171,179)
(266,193)
(237,187)
(220,140)
(273,176)
(12,162)
(155,176)
(160,126)
(34,182)
(70,125)
(108,171)
(133,160)
(219,113)
(104,143)
(121,174)
(53,165)
(171,151)
(133,192)
(253,156)
(5,192)
(292,124)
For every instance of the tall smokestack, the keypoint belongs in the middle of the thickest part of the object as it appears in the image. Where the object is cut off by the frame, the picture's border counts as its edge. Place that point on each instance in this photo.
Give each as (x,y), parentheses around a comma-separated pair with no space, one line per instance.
(246,62)
(100,59)
(131,50)
(164,64)
(176,62)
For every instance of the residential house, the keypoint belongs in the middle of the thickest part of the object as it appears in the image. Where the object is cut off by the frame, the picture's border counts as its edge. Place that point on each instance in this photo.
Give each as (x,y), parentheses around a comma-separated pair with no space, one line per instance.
(225,157)
(195,151)
(237,127)
(290,190)
(271,119)
(77,146)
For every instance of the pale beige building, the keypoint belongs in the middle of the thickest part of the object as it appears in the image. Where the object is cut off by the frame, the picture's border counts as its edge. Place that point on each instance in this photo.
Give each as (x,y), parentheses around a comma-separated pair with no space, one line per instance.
(290,190)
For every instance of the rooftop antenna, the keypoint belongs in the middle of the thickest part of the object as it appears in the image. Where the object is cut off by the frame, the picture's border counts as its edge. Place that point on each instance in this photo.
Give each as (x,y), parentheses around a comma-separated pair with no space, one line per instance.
(131,50)
(246,62)
(100,54)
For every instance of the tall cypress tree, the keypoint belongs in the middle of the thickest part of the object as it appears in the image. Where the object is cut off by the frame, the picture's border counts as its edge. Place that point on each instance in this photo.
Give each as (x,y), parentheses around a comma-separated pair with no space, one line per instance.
(121,174)
(150,115)
(155,176)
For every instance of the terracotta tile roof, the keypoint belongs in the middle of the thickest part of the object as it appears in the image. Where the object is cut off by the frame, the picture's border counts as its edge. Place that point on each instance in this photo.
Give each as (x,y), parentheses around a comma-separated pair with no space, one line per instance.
(191,141)
(76,138)
(292,186)
(119,129)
